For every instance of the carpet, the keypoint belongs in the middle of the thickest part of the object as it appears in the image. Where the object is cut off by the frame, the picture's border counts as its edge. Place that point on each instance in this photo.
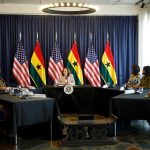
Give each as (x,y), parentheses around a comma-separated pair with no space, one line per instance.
(135,137)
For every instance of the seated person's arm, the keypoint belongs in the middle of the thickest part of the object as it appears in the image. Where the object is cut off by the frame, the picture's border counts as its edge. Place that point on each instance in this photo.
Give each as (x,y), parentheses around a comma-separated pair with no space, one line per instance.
(3,88)
(133,81)
(145,83)
(71,80)
(62,80)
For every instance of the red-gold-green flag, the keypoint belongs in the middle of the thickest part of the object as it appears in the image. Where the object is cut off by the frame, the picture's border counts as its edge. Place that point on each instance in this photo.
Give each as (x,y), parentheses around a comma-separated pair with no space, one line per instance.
(37,67)
(74,65)
(108,66)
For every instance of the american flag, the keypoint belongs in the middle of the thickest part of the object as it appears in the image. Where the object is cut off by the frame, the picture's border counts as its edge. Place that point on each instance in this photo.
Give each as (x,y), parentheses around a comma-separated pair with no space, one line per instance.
(91,68)
(20,67)
(56,63)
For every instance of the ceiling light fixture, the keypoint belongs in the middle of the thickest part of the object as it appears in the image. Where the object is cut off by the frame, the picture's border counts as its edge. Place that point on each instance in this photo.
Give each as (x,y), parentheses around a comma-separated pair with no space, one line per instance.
(68,8)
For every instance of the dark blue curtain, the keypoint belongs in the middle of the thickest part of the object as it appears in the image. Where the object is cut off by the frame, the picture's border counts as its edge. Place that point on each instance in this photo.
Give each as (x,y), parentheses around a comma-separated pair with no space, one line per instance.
(123,37)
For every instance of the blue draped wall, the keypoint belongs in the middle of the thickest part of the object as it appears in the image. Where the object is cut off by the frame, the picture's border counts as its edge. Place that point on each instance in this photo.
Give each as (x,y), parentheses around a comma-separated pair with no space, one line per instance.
(123,36)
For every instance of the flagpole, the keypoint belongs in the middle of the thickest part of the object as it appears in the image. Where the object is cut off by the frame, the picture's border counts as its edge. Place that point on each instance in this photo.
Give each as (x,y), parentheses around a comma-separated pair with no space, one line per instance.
(20,36)
(101,74)
(91,36)
(103,78)
(107,36)
(56,36)
(74,36)
(37,36)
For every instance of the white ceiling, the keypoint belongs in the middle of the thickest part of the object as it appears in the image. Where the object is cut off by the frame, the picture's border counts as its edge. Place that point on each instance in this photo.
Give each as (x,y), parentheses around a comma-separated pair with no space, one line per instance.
(95,2)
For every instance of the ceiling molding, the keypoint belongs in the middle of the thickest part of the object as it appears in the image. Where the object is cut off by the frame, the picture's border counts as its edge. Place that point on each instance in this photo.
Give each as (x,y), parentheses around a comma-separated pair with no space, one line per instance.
(95,2)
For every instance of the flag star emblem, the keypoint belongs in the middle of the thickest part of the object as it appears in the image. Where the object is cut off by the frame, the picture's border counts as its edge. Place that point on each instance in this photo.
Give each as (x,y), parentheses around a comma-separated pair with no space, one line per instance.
(74,63)
(38,66)
(107,64)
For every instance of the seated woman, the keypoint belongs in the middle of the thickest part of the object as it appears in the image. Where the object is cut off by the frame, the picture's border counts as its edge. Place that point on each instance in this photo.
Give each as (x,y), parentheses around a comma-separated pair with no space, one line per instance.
(145,81)
(3,86)
(135,77)
(4,112)
(66,78)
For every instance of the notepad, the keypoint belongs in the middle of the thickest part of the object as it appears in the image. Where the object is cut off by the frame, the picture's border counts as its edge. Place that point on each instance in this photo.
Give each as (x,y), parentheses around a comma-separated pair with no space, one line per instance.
(129,92)
(146,96)
(39,95)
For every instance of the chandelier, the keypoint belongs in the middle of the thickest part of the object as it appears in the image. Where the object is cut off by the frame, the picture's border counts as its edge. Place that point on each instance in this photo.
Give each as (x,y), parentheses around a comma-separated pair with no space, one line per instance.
(68,8)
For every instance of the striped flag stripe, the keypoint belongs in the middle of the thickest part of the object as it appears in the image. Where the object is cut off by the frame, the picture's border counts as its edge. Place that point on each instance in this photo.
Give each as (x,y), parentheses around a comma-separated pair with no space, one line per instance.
(20,67)
(23,68)
(93,70)
(54,70)
(23,77)
(91,80)
(55,66)
(91,75)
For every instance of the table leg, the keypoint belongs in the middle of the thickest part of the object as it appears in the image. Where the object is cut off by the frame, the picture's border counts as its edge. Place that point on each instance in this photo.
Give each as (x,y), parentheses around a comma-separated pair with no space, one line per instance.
(16,140)
(51,132)
(114,129)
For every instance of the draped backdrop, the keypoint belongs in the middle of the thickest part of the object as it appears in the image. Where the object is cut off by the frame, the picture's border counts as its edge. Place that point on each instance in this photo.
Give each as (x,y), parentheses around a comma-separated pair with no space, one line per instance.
(122,30)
